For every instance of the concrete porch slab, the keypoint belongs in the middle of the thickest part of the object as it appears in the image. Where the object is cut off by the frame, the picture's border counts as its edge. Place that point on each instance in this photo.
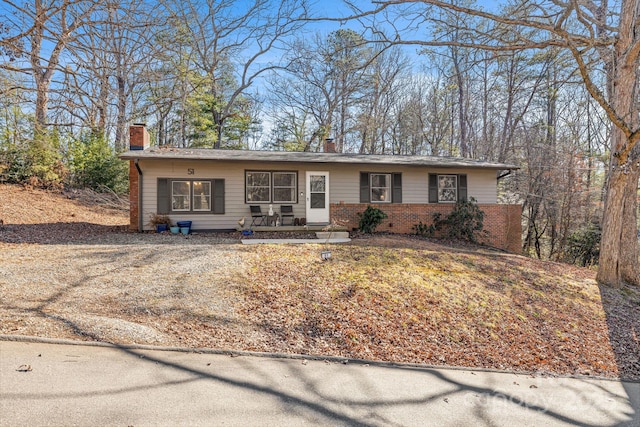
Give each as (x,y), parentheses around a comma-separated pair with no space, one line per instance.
(293,241)
(332,234)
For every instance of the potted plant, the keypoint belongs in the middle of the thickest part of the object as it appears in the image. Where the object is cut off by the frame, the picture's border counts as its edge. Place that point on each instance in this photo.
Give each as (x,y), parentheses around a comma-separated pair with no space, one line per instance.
(160,222)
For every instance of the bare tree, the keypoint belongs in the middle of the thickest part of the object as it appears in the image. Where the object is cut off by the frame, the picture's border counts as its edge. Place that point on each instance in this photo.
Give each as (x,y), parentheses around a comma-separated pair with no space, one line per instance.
(594,34)
(385,77)
(330,77)
(229,43)
(55,24)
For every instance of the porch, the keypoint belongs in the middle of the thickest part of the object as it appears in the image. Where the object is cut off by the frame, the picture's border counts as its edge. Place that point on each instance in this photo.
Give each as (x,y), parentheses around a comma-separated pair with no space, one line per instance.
(297,228)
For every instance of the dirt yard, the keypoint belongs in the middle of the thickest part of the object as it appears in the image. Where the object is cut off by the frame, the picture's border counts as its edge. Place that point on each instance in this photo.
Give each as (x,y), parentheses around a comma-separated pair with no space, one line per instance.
(70,269)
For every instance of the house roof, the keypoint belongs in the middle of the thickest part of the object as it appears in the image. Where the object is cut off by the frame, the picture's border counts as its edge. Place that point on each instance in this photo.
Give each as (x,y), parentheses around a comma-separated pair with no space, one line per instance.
(166,153)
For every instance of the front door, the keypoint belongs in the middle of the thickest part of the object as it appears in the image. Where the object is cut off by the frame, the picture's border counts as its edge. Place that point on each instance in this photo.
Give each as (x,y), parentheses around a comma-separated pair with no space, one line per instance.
(317,197)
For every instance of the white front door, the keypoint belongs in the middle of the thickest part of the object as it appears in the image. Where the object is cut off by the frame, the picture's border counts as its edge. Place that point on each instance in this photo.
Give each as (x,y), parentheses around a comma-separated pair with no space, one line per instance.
(318,198)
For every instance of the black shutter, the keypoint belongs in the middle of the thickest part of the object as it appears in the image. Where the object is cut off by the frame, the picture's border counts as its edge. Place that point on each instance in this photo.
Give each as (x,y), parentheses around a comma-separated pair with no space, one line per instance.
(433,188)
(164,204)
(218,196)
(365,193)
(396,190)
(462,188)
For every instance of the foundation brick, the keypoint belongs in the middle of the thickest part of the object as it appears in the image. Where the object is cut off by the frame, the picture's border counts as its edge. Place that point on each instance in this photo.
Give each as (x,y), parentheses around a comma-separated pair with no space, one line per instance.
(502,222)
(138,140)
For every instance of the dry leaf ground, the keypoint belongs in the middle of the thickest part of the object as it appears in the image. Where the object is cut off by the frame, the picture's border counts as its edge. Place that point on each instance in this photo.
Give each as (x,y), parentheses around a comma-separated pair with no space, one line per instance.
(69,269)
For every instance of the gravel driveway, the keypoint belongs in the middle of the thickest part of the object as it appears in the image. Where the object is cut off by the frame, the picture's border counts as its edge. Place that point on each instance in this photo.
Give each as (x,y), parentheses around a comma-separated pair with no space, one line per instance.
(96,291)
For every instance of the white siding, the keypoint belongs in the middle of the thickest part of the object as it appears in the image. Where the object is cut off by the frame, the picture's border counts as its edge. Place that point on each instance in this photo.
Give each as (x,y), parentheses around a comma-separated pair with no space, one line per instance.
(345,182)
(344,185)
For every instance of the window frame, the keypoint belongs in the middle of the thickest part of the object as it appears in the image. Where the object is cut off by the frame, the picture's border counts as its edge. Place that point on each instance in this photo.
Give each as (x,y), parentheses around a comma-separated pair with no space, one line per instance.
(294,187)
(209,196)
(388,187)
(442,188)
(271,187)
(172,195)
(216,196)
(433,185)
(247,186)
(395,187)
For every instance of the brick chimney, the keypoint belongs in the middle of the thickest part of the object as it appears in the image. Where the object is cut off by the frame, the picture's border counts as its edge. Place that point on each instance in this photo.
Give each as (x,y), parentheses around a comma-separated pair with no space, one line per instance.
(329,146)
(138,137)
(138,140)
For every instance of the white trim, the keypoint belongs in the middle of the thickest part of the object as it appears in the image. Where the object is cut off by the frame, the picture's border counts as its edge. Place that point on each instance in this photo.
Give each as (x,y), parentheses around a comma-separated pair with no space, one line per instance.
(318,215)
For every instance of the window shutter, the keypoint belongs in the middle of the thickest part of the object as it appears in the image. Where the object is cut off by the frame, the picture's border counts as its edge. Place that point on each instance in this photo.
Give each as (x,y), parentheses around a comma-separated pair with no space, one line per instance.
(218,196)
(396,190)
(462,188)
(433,188)
(163,202)
(365,194)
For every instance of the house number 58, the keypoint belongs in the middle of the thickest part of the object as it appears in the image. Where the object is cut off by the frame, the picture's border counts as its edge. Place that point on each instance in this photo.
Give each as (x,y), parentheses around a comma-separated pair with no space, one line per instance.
(191,171)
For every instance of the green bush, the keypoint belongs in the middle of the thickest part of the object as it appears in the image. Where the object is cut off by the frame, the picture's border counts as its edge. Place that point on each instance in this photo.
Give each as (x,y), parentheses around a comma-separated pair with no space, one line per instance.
(370,219)
(36,162)
(95,165)
(14,165)
(465,222)
(583,245)
(427,230)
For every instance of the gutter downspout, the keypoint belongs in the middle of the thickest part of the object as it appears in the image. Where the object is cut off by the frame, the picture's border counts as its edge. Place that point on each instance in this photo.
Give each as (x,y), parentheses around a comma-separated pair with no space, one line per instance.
(140,186)
(502,175)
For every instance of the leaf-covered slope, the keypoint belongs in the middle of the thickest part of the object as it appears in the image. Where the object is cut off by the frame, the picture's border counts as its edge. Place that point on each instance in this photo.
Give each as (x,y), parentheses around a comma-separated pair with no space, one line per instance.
(398,299)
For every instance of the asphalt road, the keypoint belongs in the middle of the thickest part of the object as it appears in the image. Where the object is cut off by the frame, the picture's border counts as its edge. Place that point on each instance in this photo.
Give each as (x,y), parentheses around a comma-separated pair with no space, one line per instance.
(46,384)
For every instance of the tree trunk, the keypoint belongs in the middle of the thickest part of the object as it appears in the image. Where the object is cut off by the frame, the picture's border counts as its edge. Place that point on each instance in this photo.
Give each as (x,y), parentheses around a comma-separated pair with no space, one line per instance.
(42,105)
(464,148)
(630,253)
(121,122)
(619,246)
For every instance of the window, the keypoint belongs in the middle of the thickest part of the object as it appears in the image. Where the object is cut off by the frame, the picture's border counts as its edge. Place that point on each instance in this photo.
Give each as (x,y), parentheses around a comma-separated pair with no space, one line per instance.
(201,195)
(195,196)
(180,196)
(284,187)
(271,187)
(380,187)
(258,185)
(448,188)
(317,191)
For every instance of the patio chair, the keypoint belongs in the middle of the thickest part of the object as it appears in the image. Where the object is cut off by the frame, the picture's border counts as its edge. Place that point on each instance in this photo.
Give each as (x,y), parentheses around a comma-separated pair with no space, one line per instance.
(286,211)
(257,217)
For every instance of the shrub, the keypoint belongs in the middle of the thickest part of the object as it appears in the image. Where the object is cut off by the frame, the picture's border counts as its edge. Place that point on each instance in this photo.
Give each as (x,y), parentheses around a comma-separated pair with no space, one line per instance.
(36,162)
(14,165)
(370,219)
(95,165)
(427,230)
(465,222)
(583,245)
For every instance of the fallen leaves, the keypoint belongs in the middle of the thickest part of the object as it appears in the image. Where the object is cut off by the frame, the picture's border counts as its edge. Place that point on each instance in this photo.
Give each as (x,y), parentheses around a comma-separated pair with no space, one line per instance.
(432,305)
(383,297)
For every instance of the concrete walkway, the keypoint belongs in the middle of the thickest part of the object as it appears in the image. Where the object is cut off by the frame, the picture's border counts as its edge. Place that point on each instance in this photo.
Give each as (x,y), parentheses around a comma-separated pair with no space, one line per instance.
(294,241)
(47,384)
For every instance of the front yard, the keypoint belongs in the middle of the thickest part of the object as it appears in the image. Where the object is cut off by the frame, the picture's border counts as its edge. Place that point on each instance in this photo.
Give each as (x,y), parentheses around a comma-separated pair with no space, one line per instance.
(391,298)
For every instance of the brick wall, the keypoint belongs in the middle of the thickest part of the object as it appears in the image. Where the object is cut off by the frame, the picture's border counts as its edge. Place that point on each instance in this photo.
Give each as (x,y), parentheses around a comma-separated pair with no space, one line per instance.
(502,222)
(134,193)
(138,140)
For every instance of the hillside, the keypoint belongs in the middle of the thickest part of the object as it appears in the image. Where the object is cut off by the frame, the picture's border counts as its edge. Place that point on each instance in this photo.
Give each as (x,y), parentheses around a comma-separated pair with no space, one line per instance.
(76,273)
(35,215)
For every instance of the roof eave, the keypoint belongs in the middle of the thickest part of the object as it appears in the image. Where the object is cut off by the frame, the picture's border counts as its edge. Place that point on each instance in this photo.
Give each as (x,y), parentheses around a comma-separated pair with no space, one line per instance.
(324,158)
